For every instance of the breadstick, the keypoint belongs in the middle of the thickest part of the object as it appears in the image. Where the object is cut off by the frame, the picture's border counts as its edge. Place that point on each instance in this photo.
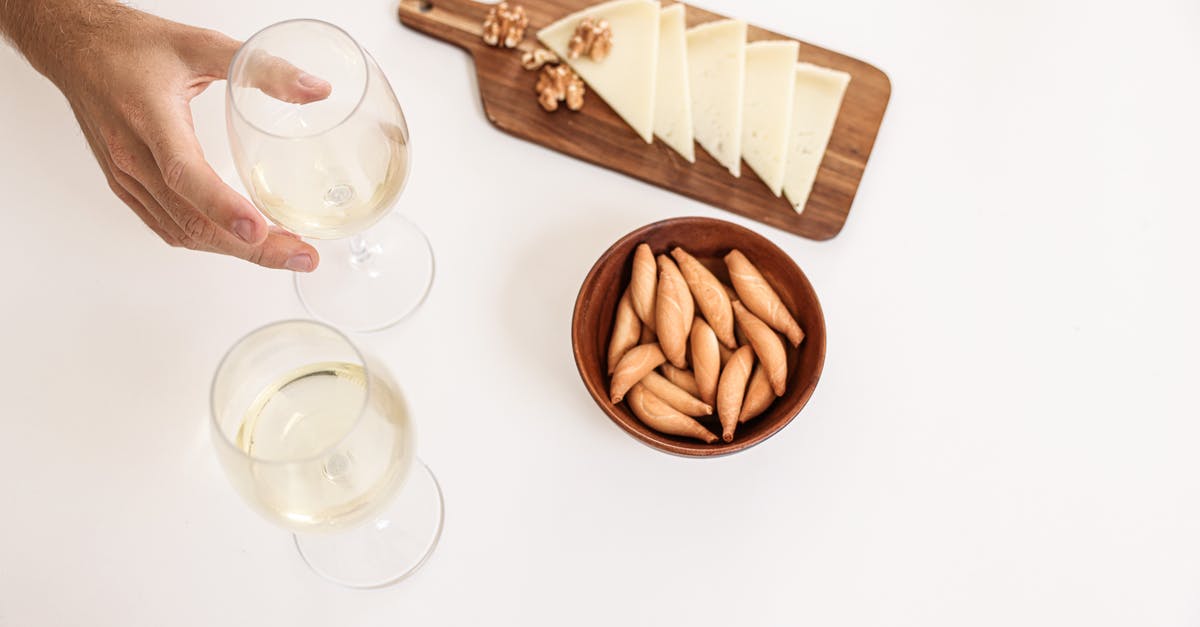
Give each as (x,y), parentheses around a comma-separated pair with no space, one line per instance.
(647,336)
(710,296)
(634,365)
(758,296)
(732,389)
(675,396)
(626,331)
(673,312)
(661,417)
(767,346)
(706,359)
(758,395)
(683,378)
(643,284)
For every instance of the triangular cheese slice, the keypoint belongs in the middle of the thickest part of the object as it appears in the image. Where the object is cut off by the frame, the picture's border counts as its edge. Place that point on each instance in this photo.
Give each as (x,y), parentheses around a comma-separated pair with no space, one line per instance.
(716,62)
(673,97)
(767,108)
(815,105)
(625,78)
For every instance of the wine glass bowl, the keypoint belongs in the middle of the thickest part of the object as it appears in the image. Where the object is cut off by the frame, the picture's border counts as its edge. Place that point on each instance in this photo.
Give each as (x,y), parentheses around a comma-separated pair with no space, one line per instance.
(312,435)
(325,163)
(322,146)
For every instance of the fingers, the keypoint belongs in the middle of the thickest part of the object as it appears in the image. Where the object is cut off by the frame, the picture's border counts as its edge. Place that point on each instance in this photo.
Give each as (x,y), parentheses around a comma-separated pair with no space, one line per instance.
(281,250)
(131,192)
(141,211)
(278,249)
(284,232)
(200,232)
(182,167)
(211,53)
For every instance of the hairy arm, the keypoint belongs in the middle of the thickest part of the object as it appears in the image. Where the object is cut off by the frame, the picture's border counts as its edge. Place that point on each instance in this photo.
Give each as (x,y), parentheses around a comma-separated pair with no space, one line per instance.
(47,32)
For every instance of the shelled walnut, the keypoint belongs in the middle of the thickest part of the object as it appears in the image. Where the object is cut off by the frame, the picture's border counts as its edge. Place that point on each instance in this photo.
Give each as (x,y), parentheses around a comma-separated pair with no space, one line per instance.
(536,58)
(592,38)
(505,25)
(558,83)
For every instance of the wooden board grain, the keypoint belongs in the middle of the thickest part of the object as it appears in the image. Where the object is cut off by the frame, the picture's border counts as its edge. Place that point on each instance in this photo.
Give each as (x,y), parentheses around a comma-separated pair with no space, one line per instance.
(597,135)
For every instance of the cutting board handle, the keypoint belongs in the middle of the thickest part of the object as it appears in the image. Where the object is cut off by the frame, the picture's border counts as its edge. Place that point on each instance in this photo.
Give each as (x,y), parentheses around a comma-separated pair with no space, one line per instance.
(459,22)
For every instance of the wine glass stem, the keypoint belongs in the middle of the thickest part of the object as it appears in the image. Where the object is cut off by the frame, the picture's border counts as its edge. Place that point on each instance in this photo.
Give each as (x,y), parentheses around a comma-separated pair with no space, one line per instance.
(360,250)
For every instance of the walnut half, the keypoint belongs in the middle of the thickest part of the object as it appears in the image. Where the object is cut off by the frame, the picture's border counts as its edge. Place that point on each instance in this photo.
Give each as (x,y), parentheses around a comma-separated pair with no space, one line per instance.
(505,25)
(558,83)
(592,38)
(536,58)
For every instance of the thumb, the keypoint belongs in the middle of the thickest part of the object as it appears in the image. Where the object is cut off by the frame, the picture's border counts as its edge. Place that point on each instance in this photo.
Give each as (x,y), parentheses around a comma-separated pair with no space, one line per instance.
(215,53)
(279,79)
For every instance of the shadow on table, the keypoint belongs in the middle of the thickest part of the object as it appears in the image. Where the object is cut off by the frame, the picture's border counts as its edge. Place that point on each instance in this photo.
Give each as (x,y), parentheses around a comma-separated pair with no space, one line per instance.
(545,280)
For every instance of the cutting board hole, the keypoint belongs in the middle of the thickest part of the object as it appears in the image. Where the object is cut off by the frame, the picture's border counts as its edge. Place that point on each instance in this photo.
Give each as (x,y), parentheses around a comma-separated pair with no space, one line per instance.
(425,6)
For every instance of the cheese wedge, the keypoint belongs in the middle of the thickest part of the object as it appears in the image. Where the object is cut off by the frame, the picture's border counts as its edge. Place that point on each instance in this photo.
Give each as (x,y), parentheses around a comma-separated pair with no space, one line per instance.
(716,64)
(673,96)
(815,105)
(626,78)
(767,108)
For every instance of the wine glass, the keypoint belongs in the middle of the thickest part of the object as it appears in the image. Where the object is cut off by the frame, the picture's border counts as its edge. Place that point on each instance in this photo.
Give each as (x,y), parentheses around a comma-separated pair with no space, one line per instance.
(316,436)
(329,170)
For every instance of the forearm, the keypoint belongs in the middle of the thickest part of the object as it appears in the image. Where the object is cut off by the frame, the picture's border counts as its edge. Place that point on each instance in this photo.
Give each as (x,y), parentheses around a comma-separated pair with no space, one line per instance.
(51,33)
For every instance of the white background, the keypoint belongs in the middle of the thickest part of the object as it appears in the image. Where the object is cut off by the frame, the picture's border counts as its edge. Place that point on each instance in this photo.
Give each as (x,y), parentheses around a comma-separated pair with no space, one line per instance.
(1005,433)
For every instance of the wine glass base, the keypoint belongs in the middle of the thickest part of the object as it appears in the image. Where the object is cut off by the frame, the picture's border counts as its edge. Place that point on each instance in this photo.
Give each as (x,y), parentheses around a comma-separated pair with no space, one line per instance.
(373,291)
(389,547)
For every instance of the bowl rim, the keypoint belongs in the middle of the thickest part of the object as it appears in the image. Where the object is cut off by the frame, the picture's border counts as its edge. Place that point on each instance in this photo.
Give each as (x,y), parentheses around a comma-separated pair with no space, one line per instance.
(648,437)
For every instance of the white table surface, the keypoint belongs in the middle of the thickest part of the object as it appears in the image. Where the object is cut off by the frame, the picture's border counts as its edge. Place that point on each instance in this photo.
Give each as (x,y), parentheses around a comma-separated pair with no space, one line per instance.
(1005,433)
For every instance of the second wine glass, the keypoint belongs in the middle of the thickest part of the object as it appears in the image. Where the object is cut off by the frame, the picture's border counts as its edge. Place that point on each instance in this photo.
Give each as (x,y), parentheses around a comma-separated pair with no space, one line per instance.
(316,435)
(331,170)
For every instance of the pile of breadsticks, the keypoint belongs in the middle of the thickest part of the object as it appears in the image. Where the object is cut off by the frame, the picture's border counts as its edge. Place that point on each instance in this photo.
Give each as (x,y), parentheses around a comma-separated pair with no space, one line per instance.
(712,345)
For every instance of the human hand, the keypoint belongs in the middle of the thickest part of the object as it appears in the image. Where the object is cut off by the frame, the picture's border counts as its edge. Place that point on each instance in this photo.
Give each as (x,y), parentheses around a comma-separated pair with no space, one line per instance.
(130,86)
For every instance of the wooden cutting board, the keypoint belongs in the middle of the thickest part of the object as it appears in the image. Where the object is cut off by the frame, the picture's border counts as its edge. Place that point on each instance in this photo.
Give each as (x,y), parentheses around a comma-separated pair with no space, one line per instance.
(596,134)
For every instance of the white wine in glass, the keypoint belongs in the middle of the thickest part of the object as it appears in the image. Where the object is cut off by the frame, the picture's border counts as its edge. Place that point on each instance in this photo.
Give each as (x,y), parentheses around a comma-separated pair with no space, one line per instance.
(330,169)
(310,189)
(317,437)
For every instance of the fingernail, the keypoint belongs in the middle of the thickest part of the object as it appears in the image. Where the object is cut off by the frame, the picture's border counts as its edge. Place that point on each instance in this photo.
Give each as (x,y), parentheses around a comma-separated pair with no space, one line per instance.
(309,81)
(244,229)
(299,263)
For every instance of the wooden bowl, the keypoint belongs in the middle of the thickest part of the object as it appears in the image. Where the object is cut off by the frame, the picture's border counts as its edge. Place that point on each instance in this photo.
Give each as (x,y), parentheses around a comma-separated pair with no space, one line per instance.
(708,240)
